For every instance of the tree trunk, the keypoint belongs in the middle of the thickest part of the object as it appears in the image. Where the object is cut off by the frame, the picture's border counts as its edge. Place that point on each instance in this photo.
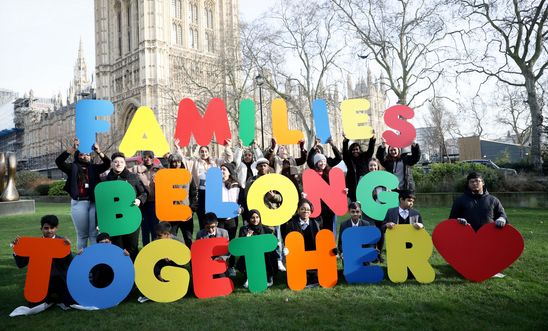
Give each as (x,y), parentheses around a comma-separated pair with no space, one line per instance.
(536,122)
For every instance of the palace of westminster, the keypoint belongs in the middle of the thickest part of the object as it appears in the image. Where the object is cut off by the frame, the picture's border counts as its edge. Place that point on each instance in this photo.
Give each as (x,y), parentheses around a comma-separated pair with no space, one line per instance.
(145,52)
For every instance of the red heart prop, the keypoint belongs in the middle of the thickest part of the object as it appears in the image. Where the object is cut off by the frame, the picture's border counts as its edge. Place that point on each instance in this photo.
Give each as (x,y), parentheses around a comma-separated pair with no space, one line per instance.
(477,256)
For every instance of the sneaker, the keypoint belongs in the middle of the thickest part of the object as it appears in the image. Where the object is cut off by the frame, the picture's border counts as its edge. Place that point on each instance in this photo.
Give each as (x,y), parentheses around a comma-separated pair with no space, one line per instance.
(246,284)
(281,266)
(231,272)
(142,299)
(312,285)
(270,281)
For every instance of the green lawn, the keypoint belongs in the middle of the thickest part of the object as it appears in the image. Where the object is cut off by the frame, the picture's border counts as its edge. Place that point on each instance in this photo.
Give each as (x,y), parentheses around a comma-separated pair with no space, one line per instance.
(519,301)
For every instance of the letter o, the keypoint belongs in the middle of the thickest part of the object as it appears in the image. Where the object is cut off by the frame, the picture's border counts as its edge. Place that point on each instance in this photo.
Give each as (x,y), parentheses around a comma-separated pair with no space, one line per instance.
(280,183)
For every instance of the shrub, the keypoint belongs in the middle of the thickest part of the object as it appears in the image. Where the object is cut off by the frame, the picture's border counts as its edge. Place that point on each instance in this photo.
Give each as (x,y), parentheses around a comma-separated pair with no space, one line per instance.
(26,181)
(42,189)
(56,189)
(451,177)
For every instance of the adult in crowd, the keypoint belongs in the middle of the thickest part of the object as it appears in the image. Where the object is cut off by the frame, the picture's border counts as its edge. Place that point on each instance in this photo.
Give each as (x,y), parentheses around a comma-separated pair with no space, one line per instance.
(82,177)
(146,172)
(255,227)
(199,171)
(400,165)
(355,220)
(309,227)
(277,154)
(175,161)
(245,161)
(476,207)
(119,171)
(231,192)
(356,163)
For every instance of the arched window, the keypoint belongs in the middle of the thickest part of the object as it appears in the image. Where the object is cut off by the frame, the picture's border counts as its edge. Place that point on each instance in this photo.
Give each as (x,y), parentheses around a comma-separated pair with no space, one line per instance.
(118,13)
(128,26)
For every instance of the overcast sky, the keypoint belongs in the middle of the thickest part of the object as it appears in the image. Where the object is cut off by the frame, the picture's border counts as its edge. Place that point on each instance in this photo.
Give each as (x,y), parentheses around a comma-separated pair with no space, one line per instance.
(39,41)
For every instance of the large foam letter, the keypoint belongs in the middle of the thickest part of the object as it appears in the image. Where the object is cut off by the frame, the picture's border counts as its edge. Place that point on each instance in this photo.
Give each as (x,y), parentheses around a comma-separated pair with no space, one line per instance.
(399,257)
(331,193)
(40,252)
(321,120)
(168,190)
(214,196)
(78,276)
(254,248)
(247,121)
(204,267)
(277,182)
(87,125)
(215,121)
(386,200)
(355,119)
(280,129)
(144,133)
(355,241)
(299,261)
(406,129)
(177,278)
(116,213)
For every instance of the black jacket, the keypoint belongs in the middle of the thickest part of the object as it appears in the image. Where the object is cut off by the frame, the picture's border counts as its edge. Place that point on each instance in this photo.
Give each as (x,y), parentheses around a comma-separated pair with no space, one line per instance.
(356,166)
(294,224)
(331,161)
(477,209)
(408,160)
(133,180)
(73,169)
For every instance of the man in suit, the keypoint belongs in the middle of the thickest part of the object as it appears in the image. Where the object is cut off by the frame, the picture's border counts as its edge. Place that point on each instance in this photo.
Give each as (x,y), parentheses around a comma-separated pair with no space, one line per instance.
(355,220)
(404,213)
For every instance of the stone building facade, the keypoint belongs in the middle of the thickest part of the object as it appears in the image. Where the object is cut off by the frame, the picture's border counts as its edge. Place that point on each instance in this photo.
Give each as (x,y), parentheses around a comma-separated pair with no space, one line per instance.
(156,52)
(47,125)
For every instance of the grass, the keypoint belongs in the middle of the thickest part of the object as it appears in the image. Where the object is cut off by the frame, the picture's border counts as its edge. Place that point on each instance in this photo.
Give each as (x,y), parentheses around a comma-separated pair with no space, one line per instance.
(519,301)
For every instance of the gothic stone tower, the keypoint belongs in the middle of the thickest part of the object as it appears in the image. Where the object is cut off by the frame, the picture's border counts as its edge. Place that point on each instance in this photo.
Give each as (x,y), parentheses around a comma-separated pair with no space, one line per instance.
(143,48)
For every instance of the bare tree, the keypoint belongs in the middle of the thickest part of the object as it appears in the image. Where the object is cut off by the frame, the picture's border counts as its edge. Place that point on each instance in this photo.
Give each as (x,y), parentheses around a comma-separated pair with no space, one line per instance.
(441,123)
(515,114)
(515,35)
(297,51)
(405,37)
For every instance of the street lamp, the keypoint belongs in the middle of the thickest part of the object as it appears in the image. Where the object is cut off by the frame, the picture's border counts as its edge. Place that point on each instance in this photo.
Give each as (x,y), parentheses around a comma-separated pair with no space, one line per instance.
(259,80)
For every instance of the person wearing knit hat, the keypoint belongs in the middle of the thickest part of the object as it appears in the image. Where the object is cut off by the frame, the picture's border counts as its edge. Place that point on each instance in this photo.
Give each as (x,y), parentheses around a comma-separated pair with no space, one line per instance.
(476,207)
(319,157)
(260,161)
(318,149)
(327,215)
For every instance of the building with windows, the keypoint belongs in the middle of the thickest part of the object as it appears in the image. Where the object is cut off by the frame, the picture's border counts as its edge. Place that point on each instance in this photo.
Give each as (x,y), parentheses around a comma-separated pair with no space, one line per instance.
(155,53)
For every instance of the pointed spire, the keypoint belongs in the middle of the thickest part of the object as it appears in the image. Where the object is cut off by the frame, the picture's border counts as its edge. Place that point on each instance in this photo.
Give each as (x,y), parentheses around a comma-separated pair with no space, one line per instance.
(81,49)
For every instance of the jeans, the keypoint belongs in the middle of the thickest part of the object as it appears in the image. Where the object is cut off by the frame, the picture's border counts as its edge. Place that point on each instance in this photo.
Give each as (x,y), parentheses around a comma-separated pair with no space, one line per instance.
(83,218)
